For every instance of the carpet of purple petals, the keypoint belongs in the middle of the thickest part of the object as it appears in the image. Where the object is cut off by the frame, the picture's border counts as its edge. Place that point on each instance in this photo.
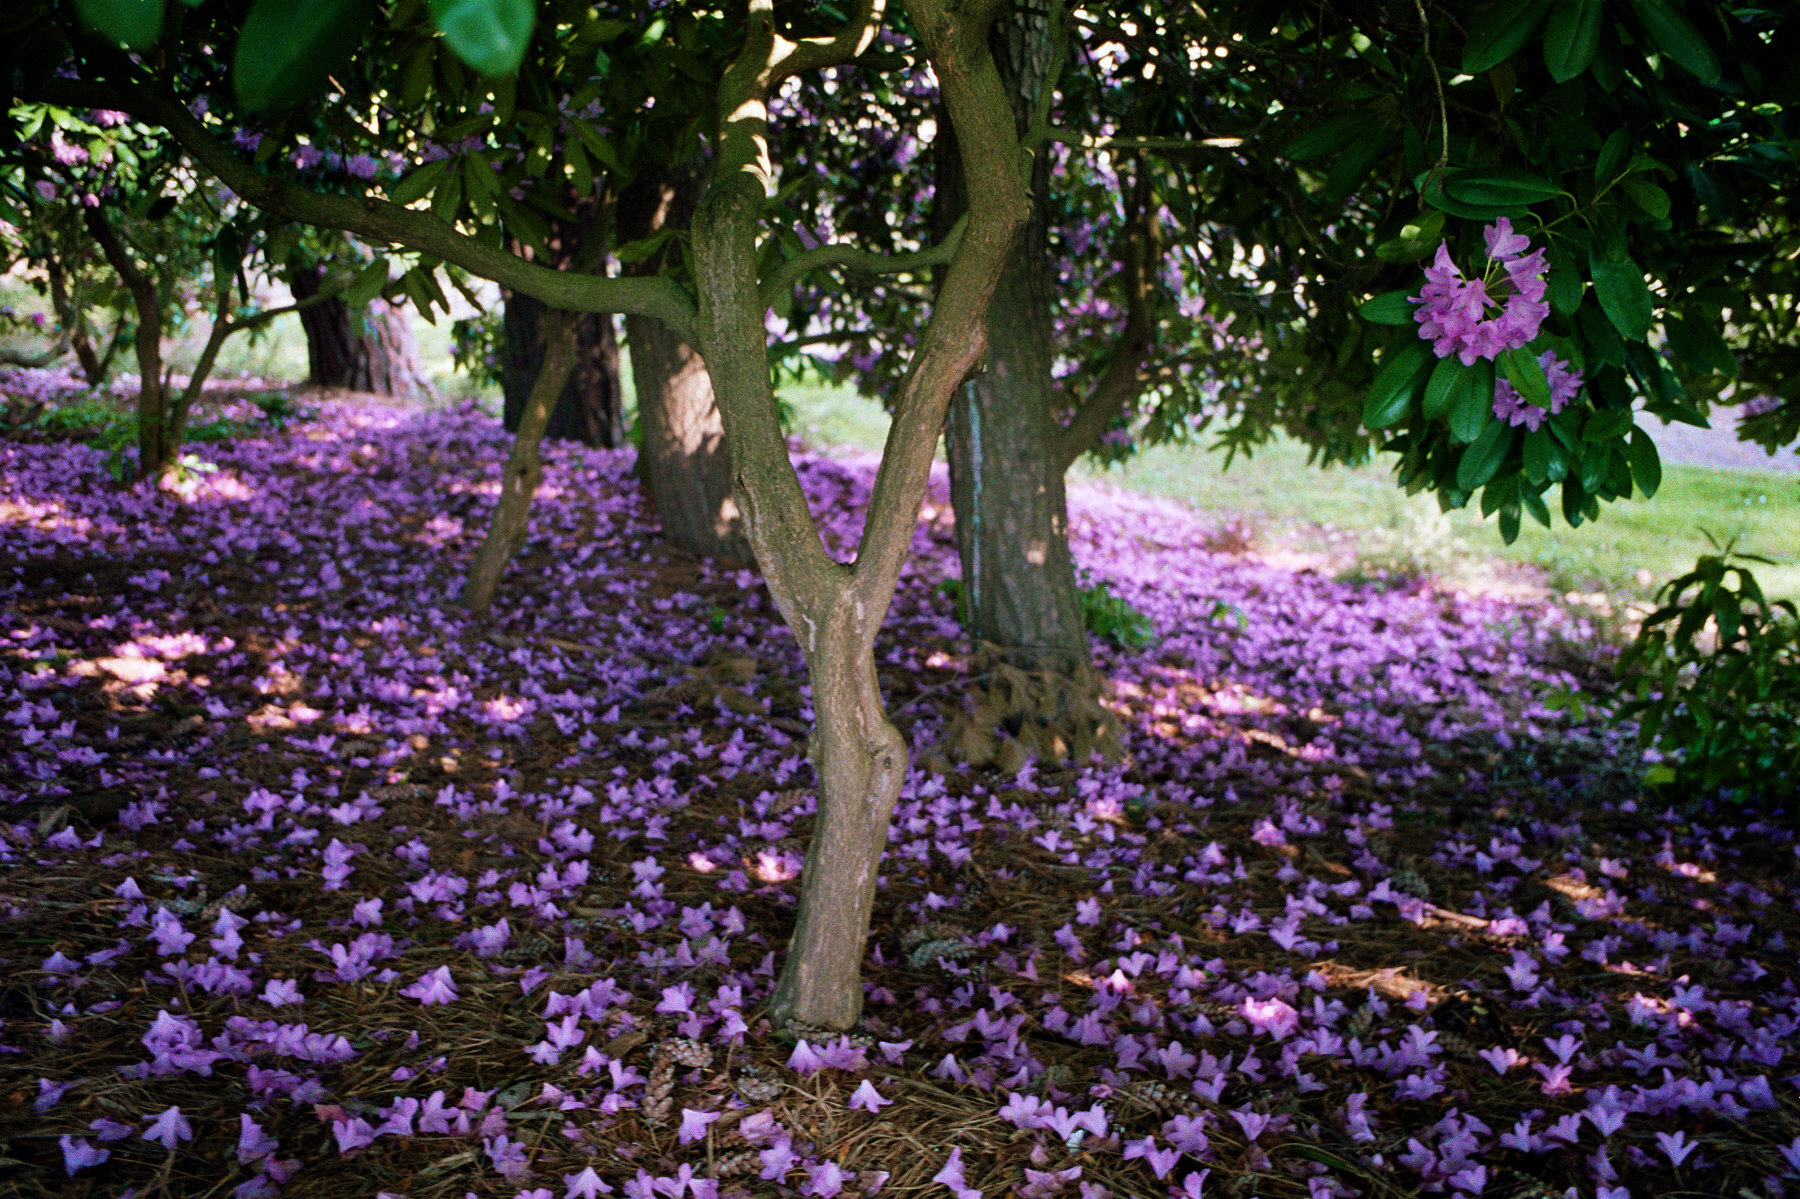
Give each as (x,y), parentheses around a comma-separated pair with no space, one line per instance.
(317,885)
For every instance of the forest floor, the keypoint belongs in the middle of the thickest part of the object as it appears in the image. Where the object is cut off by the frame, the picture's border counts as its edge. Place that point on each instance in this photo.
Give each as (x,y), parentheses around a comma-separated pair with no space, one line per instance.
(314,884)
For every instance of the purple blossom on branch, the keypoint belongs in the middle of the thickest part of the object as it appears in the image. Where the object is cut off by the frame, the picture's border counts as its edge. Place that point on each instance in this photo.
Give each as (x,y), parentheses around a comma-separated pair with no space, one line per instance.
(1453,312)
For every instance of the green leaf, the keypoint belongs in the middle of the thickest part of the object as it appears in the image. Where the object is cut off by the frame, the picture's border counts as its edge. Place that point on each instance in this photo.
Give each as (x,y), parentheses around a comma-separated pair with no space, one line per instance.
(1354,164)
(368,283)
(1435,193)
(288,47)
(1623,295)
(1606,424)
(489,35)
(1545,461)
(1572,37)
(1498,32)
(1564,280)
(416,182)
(1647,196)
(1534,504)
(1612,156)
(1526,374)
(1332,135)
(134,24)
(643,247)
(1503,188)
(1388,308)
(1509,523)
(1484,457)
(448,195)
(1676,38)
(1474,409)
(1395,390)
(1449,379)
(1646,463)
(1415,239)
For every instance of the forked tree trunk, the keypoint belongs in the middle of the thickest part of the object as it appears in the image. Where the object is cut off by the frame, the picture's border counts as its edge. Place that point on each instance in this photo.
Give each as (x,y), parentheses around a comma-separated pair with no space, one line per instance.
(374,352)
(684,461)
(524,468)
(591,408)
(71,315)
(835,610)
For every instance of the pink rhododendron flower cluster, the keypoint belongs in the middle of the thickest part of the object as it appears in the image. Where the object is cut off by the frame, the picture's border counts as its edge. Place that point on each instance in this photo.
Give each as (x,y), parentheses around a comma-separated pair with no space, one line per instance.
(1453,312)
(1515,410)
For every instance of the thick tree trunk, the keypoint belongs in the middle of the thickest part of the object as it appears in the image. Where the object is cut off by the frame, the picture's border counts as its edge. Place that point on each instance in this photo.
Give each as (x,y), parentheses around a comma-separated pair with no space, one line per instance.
(378,354)
(524,469)
(683,460)
(591,408)
(1006,483)
(157,445)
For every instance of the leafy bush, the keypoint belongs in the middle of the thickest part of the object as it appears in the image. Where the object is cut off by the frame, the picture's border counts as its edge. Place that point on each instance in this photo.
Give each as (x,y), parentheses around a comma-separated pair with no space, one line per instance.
(1112,617)
(1719,689)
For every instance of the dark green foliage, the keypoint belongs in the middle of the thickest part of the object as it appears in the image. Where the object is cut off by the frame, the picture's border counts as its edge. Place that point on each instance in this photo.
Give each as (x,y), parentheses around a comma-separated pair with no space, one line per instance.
(114,431)
(1719,688)
(1112,617)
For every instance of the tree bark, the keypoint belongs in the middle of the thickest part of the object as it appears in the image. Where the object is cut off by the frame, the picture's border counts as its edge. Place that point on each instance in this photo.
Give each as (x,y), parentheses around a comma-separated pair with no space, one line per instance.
(591,408)
(683,459)
(835,610)
(378,354)
(1007,489)
(524,468)
(156,447)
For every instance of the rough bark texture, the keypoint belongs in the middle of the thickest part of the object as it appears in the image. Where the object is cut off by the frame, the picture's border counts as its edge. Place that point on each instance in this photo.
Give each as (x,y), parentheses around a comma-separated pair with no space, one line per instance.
(683,460)
(342,350)
(591,408)
(1021,602)
(524,468)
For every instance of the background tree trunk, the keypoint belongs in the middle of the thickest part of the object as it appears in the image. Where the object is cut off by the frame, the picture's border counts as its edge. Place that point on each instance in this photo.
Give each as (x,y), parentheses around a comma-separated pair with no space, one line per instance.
(1006,478)
(379,355)
(682,458)
(156,447)
(591,408)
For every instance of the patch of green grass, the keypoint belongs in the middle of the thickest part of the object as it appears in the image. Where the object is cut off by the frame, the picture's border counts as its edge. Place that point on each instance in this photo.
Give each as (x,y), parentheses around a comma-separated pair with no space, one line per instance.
(1632,549)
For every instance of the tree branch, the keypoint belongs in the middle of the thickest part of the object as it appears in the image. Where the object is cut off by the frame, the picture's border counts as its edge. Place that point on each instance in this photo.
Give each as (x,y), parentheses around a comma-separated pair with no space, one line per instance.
(382,221)
(1119,385)
(783,277)
(818,53)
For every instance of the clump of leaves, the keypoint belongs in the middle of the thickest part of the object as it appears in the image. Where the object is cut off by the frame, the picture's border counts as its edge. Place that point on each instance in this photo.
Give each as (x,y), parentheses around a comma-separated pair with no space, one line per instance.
(476,350)
(1112,617)
(278,409)
(1719,688)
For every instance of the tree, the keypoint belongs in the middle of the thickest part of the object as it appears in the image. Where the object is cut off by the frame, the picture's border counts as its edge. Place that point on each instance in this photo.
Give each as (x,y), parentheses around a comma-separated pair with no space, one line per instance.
(834,609)
(1504,157)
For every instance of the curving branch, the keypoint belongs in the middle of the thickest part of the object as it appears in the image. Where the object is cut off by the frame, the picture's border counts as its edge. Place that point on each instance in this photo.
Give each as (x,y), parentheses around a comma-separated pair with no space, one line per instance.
(819,53)
(785,276)
(382,221)
(1121,382)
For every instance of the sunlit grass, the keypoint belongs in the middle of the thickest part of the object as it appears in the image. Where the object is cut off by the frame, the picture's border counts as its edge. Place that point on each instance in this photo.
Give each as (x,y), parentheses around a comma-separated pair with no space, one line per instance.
(1631,550)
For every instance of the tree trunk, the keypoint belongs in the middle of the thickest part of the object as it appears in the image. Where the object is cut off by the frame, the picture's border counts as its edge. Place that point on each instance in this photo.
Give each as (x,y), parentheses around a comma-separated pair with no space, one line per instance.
(376,353)
(1006,482)
(683,460)
(591,408)
(156,447)
(524,469)
(72,317)
(835,610)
